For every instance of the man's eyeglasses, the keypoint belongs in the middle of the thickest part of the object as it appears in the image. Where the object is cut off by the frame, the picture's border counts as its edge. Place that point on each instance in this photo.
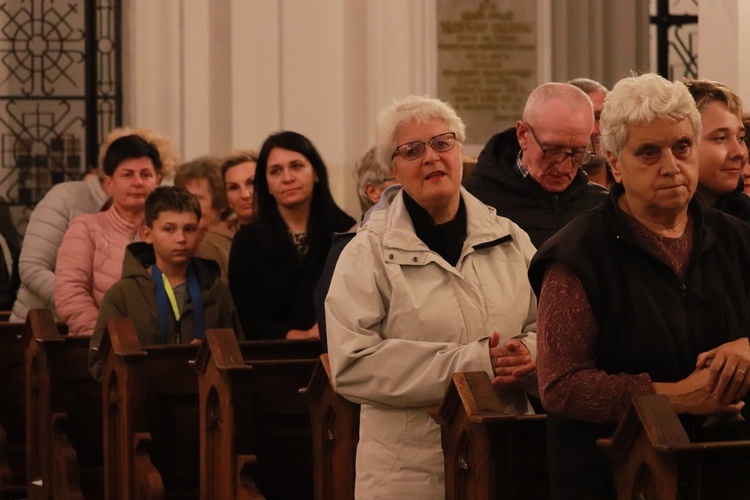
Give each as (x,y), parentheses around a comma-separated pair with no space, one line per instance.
(557,155)
(414,150)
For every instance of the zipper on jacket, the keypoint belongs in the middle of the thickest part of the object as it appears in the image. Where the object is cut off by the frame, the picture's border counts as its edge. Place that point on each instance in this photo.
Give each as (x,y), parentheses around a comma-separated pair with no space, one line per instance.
(556,206)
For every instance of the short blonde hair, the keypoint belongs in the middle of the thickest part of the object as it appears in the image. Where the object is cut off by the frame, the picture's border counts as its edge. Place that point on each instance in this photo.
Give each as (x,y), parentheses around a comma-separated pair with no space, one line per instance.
(707,91)
(235,157)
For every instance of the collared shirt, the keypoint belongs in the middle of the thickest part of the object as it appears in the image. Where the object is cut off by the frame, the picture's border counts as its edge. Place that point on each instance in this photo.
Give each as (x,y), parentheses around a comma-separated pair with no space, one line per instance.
(519,166)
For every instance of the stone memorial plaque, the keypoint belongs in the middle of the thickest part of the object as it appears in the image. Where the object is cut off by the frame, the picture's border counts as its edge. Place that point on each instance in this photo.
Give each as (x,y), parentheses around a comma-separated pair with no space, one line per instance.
(487,61)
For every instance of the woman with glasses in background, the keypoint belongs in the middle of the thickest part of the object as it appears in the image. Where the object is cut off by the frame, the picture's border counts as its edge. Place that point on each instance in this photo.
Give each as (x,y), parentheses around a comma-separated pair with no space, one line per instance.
(433,283)
(277,258)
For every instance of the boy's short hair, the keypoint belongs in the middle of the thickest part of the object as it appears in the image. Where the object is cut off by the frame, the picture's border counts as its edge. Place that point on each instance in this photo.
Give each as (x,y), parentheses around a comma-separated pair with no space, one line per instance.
(170,199)
(706,91)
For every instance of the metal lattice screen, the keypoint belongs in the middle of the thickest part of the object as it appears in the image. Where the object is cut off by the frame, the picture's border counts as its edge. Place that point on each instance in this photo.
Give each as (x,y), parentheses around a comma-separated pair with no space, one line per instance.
(60,91)
(674,38)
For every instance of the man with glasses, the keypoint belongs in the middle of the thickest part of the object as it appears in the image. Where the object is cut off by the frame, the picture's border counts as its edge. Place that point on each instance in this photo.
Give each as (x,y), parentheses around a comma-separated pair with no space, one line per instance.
(532,173)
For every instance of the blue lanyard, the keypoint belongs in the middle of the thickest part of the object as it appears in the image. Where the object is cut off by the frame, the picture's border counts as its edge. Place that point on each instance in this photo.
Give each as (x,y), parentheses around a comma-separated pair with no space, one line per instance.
(162,302)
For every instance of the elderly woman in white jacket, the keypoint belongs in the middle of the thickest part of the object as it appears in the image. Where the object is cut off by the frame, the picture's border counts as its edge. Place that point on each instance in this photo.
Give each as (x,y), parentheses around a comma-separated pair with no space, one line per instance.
(434,283)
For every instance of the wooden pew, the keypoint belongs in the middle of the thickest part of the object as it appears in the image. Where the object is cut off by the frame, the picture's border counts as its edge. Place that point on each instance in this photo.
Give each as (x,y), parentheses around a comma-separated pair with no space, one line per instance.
(489,454)
(335,434)
(151,396)
(12,415)
(4,316)
(150,409)
(653,457)
(63,414)
(255,424)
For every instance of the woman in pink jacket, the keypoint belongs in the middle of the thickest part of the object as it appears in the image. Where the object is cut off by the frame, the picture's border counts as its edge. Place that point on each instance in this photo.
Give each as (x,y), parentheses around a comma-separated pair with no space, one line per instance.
(91,254)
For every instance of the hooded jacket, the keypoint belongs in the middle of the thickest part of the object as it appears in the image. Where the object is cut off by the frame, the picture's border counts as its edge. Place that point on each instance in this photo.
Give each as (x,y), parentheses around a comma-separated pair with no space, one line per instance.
(44,234)
(736,203)
(496,182)
(401,321)
(134,297)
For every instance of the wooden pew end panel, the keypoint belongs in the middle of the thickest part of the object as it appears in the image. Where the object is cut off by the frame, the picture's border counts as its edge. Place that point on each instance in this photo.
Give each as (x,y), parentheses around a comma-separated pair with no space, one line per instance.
(335,435)
(246,473)
(487,451)
(148,482)
(653,457)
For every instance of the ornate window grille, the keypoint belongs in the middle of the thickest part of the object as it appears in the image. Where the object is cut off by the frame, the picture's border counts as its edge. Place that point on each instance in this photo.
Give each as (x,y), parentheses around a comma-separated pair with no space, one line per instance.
(674,36)
(60,91)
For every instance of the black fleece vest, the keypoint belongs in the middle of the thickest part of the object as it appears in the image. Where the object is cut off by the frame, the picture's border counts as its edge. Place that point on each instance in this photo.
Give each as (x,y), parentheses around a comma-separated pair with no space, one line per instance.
(649,320)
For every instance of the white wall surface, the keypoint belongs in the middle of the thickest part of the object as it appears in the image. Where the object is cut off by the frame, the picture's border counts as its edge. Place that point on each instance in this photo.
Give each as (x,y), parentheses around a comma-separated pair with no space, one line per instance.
(221,74)
(724,34)
(214,75)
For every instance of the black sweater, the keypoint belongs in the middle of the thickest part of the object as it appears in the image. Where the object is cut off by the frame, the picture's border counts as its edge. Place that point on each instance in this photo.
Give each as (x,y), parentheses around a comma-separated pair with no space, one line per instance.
(273,290)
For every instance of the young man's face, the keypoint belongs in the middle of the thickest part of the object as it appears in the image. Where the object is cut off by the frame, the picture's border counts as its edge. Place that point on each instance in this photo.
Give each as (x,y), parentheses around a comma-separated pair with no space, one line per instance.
(175,237)
(722,151)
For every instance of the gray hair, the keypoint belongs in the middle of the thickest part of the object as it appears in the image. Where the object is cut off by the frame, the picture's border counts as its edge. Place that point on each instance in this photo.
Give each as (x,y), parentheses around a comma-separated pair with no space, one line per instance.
(370,170)
(573,97)
(639,100)
(588,85)
(417,108)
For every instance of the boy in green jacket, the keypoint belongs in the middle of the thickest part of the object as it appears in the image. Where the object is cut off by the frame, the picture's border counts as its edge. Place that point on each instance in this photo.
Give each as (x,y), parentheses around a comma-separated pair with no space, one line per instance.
(170,295)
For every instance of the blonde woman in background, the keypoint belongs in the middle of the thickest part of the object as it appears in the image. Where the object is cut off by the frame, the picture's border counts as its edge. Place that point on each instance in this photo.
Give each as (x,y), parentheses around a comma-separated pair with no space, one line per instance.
(238,172)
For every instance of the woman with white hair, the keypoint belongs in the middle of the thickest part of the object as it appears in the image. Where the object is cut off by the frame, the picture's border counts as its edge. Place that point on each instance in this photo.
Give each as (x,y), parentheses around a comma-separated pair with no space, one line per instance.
(641,294)
(434,283)
(372,177)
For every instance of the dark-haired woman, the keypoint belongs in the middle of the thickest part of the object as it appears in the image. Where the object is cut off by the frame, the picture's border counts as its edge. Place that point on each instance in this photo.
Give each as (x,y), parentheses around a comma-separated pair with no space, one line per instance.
(276,260)
(90,257)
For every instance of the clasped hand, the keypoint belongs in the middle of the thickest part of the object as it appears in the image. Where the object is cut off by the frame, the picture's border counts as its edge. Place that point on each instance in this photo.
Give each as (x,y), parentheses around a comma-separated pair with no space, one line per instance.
(512,362)
(727,366)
